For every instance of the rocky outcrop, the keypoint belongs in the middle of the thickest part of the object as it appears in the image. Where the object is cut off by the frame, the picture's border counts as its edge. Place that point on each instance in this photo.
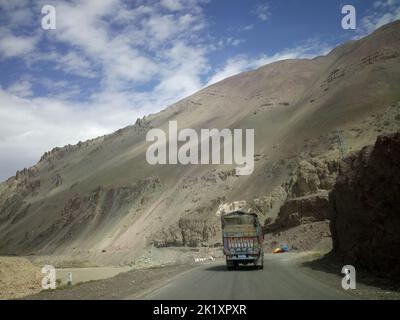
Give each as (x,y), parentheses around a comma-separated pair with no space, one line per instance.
(312,176)
(141,124)
(365,205)
(268,206)
(200,227)
(305,237)
(302,218)
(199,232)
(303,210)
(265,207)
(304,198)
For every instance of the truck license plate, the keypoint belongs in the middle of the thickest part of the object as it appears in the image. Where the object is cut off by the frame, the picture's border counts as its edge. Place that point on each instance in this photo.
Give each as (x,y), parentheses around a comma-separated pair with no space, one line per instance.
(242,256)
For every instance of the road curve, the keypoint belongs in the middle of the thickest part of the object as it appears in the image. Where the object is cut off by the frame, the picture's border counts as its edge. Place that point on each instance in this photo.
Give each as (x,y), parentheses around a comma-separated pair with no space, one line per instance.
(281,279)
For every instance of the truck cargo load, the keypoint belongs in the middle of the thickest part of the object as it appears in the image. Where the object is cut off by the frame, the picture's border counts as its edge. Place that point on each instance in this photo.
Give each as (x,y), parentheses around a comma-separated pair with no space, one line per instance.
(243,239)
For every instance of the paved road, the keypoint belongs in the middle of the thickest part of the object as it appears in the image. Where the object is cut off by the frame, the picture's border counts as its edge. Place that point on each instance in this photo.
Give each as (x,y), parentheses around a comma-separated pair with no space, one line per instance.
(281,278)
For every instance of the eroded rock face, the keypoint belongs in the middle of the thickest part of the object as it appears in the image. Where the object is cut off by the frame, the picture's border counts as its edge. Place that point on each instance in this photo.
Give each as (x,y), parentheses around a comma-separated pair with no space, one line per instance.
(199,228)
(365,205)
(190,232)
(97,210)
(312,176)
(303,210)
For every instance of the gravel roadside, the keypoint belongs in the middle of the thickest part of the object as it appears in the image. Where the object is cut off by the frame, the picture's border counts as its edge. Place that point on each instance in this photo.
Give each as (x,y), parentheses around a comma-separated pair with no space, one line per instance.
(119,287)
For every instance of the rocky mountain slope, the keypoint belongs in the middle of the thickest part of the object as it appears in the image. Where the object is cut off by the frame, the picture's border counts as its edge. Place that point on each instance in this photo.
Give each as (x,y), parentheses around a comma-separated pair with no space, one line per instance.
(101,200)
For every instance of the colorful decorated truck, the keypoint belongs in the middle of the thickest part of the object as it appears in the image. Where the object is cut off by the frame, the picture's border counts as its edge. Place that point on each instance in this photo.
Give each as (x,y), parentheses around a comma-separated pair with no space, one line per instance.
(243,239)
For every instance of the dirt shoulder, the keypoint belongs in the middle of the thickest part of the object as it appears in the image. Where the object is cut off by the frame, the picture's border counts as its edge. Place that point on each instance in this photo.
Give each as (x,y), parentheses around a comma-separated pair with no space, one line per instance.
(121,286)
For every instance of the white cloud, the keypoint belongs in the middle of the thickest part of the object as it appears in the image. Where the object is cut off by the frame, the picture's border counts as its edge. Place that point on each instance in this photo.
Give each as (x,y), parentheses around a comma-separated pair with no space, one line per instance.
(118,45)
(74,63)
(227,42)
(262,12)
(30,127)
(385,11)
(173,5)
(21,88)
(17,14)
(14,46)
(181,78)
(137,53)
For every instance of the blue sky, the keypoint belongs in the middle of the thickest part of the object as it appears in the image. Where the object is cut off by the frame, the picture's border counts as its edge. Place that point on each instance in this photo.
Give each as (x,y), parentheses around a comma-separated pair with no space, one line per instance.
(111,61)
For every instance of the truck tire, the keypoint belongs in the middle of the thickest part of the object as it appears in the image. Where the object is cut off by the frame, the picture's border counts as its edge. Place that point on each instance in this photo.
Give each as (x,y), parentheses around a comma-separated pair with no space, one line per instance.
(260,263)
(230,265)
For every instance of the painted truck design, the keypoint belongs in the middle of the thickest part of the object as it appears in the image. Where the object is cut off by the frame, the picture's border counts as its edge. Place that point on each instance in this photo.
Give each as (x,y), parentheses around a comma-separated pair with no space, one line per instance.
(243,239)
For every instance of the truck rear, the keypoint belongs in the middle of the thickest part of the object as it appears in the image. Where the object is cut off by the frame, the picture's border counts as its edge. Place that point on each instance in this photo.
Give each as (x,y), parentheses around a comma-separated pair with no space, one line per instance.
(243,239)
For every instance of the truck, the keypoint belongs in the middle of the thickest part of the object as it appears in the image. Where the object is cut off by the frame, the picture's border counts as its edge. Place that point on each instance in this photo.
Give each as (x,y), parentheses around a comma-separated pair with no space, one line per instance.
(243,239)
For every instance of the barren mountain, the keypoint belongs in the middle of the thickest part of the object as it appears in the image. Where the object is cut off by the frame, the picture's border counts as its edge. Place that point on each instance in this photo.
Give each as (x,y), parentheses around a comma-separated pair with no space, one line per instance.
(100,200)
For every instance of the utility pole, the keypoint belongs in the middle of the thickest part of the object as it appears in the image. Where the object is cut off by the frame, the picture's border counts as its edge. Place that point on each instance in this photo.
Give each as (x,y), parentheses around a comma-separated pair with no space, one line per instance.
(341,143)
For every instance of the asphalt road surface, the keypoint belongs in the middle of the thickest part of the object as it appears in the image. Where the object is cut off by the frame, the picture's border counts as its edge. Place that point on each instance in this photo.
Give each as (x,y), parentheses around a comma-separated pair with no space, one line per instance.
(282,278)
